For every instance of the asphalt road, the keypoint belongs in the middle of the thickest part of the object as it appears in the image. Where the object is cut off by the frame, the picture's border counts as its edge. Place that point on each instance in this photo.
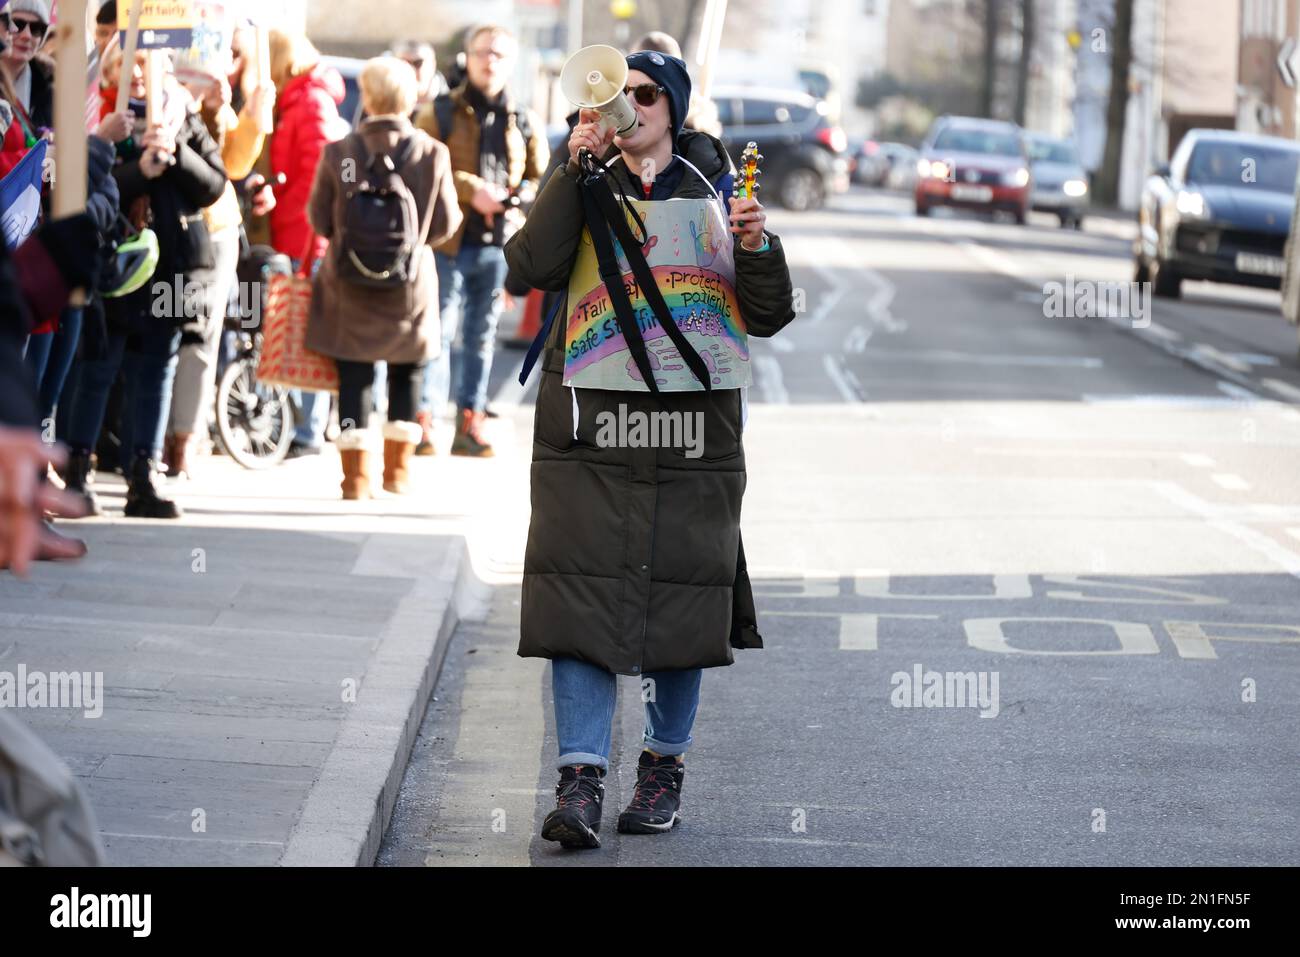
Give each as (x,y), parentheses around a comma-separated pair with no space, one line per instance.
(1096,519)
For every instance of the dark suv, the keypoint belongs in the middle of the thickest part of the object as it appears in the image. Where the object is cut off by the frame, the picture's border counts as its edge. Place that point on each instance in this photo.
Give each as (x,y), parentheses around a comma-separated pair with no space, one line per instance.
(805,156)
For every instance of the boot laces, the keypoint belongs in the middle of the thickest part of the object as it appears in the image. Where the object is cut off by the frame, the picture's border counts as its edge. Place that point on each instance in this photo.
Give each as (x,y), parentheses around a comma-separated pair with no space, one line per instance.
(651,782)
(577,791)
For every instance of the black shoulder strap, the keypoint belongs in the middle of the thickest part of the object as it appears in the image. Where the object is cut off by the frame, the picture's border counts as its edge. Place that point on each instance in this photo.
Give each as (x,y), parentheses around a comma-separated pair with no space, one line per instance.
(444,113)
(399,154)
(603,214)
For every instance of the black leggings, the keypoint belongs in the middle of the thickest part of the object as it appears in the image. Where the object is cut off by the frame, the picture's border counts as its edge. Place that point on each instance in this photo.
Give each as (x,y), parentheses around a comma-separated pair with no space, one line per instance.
(357,383)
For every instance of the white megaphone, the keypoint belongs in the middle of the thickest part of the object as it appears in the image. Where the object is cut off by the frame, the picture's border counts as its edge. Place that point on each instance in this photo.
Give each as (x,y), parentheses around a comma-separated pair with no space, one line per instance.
(594,78)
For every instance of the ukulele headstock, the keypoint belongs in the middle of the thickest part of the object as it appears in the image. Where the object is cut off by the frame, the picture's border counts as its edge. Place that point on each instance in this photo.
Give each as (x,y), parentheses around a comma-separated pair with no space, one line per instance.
(746,185)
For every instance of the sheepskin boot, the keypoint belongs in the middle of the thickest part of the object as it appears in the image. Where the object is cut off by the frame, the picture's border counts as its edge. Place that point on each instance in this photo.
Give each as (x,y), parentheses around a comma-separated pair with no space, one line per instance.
(400,439)
(356,464)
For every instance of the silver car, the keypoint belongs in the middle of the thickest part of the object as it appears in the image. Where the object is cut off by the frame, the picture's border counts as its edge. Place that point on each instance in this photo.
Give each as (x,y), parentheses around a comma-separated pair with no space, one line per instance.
(1060,183)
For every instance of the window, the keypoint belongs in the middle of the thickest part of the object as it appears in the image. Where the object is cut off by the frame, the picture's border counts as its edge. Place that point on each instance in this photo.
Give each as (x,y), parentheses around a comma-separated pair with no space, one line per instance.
(726,112)
(773,113)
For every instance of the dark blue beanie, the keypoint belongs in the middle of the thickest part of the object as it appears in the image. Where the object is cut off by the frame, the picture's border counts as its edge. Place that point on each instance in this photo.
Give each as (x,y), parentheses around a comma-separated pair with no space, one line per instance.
(670,73)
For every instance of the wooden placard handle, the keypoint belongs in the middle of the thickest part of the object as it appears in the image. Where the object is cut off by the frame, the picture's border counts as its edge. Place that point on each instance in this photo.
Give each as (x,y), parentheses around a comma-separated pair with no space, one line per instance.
(128,56)
(70,135)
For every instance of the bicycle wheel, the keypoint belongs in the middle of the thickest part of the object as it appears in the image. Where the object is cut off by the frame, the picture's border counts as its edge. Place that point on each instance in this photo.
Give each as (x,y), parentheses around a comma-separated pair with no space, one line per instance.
(254,421)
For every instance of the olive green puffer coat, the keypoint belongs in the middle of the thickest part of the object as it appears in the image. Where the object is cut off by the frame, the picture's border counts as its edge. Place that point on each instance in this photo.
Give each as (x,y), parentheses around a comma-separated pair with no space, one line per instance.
(634,561)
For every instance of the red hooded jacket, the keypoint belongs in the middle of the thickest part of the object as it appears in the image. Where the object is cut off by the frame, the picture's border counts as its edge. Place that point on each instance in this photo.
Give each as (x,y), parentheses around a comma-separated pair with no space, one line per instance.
(307,117)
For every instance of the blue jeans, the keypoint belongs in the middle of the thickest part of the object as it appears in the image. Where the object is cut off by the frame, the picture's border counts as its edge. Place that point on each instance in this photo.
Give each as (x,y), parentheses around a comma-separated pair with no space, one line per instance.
(313,408)
(312,419)
(50,356)
(585,696)
(470,294)
(148,363)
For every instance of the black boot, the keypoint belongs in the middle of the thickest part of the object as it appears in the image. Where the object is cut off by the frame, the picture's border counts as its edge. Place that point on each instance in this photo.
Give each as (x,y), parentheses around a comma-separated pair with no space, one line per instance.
(79,476)
(658,796)
(575,822)
(142,499)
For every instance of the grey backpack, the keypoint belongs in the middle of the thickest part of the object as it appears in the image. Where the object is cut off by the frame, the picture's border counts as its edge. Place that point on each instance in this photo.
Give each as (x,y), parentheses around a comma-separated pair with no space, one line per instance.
(45,819)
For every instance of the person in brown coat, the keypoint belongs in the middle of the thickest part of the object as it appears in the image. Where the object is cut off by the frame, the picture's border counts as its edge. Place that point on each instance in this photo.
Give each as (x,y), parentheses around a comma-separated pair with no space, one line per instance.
(359,324)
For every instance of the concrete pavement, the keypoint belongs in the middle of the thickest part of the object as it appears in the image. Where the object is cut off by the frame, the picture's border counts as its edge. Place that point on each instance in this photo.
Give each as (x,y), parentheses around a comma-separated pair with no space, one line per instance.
(265,660)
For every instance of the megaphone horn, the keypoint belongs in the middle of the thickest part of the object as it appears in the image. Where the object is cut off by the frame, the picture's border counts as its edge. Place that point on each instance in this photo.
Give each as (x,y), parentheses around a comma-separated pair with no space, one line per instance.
(593,79)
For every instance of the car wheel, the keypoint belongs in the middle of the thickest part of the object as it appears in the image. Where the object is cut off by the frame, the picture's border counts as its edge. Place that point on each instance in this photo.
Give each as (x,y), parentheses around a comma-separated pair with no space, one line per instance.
(1165,283)
(802,190)
(1021,216)
(922,209)
(1078,224)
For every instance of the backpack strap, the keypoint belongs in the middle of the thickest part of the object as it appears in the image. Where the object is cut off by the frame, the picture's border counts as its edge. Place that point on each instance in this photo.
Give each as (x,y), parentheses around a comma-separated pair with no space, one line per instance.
(444,114)
(539,340)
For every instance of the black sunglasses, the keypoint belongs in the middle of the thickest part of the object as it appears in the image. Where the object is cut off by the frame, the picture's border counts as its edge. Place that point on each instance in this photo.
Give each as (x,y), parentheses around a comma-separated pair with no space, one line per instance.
(647,94)
(35,27)
(7,22)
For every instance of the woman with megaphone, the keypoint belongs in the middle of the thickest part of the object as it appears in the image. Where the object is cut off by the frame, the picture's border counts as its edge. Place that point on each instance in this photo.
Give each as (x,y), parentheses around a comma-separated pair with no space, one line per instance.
(634,563)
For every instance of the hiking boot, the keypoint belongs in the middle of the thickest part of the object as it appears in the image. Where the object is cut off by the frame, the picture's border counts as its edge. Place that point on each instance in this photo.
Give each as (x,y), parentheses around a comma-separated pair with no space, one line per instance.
(575,822)
(78,476)
(425,445)
(142,498)
(658,795)
(469,440)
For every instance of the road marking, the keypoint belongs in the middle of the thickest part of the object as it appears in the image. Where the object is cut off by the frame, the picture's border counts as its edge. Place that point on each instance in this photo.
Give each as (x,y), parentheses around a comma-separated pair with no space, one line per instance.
(1236,391)
(1212,516)
(781,344)
(843,379)
(1163,332)
(986,359)
(1197,460)
(1284,389)
(1036,452)
(1170,399)
(770,381)
(857,339)
(880,301)
(1223,358)
(837,291)
(1233,483)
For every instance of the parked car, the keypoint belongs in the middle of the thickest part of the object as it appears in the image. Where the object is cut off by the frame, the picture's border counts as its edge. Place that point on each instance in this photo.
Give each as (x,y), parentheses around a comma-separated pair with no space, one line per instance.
(901,174)
(1220,210)
(1060,181)
(973,164)
(805,156)
(891,165)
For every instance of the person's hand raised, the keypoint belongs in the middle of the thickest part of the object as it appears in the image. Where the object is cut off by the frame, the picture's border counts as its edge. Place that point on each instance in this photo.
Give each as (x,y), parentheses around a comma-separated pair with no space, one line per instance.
(589,134)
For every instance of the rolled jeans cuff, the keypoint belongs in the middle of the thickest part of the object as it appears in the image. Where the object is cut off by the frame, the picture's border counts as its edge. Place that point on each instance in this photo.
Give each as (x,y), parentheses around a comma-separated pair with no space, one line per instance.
(582,757)
(664,748)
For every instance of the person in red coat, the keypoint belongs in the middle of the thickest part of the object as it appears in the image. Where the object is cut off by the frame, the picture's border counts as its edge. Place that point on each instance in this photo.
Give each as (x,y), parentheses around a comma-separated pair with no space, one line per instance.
(307,98)
(308,95)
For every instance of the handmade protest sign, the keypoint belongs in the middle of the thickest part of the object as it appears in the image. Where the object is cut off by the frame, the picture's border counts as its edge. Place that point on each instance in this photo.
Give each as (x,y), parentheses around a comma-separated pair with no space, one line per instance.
(20,196)
(207,57)
(163,24)
(688,247)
